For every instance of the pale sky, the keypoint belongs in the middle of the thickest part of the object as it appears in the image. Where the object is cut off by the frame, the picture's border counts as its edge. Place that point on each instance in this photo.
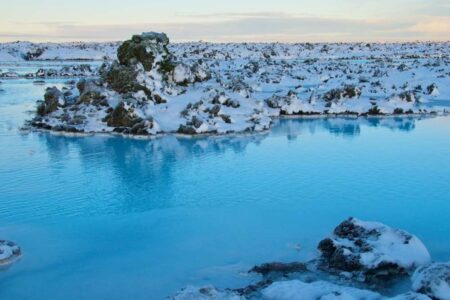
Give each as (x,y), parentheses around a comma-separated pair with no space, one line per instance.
(222,21)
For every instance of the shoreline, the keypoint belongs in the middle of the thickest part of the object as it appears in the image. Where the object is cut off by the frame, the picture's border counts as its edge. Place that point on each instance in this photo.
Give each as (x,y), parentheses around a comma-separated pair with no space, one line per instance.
(231,134)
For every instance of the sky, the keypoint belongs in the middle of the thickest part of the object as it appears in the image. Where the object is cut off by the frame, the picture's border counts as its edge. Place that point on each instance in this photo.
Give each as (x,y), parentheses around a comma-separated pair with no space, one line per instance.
(227,21)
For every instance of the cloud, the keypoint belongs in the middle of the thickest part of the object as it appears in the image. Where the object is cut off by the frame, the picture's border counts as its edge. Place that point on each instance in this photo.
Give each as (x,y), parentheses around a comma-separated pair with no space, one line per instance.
(436,26)
(250,27)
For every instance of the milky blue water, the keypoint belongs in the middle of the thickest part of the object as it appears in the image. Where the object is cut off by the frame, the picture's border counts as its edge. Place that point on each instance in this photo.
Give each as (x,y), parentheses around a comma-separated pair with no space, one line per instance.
(114,218)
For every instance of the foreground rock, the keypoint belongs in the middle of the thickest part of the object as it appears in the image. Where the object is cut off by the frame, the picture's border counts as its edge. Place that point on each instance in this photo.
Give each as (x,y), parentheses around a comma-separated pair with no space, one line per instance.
(370,252)
(9,253)
(365,256)
(433,280)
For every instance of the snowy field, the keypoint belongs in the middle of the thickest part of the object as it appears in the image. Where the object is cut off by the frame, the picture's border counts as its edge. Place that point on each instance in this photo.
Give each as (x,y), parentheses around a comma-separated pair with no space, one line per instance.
(197,88)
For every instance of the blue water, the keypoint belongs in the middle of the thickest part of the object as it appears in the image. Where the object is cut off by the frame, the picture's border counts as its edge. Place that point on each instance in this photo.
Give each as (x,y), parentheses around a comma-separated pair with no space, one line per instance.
(114,218)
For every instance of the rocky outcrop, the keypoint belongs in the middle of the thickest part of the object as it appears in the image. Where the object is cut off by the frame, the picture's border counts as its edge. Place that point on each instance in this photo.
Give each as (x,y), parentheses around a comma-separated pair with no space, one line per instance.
(123,115)
(371,251)
(53,99)
(145,49)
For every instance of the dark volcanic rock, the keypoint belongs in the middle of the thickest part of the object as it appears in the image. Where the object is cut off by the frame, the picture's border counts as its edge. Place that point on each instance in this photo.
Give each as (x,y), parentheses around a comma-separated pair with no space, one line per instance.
(122,116)
(122,79)
(143,49)
(276,267)
(53,98)
(371,251)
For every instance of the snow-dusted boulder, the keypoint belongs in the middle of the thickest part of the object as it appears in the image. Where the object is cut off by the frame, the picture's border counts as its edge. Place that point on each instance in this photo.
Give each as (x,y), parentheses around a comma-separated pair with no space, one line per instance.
(205,293)
(371,251)
(146,48)
(53,99)
(10,252)
(182,74)
(299,290)
(433,281)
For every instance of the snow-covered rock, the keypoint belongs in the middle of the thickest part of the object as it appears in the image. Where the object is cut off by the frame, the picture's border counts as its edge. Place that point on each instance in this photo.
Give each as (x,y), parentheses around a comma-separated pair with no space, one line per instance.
(371,251)
(199,88)
(433,281)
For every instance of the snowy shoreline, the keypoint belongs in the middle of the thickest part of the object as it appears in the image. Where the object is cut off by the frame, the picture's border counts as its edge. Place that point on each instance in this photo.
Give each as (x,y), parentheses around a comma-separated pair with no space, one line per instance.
(357,261)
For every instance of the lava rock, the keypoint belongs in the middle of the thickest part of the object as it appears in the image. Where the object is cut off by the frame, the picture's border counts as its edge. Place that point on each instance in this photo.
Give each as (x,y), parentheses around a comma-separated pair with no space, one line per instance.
(122,116)
(53,98)
(371,251)
(144,49)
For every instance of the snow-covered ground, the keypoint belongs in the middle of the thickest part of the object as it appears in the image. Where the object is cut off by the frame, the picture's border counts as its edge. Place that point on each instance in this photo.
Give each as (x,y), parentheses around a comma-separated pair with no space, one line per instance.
(27,51)
(196,88)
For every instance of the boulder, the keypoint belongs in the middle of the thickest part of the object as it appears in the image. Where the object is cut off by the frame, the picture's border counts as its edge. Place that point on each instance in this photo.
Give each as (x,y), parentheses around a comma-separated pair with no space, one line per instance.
(122,79)
(433,280)
(371,251)
(145,49)
(122,116)
(53,99)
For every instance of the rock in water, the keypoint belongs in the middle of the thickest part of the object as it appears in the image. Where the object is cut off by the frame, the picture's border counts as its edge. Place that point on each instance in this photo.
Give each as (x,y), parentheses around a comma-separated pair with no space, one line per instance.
(205,293)
(282,268)
(9,253)
(371,251)
(433,281)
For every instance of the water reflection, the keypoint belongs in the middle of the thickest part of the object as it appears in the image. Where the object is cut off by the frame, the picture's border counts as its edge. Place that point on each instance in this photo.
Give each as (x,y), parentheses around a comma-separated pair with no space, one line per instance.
(114,175)
(338,126)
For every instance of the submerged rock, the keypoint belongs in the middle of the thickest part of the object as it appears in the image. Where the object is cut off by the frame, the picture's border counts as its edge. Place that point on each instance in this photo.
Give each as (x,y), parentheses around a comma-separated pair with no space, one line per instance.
(10,252)
(433,281)
(371,251)
(283,268)
(205,293)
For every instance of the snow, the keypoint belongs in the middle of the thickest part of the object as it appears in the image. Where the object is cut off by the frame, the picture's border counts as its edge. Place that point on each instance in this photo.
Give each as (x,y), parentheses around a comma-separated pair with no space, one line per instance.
(205,293)
(298,290)
(390,247)
(433,280)
(21,51)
